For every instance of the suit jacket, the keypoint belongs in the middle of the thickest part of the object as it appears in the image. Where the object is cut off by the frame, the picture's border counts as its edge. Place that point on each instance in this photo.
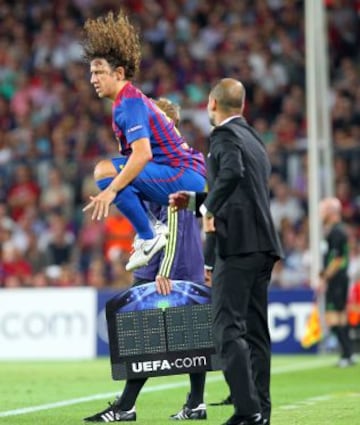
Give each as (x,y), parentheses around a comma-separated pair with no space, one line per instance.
(238,197)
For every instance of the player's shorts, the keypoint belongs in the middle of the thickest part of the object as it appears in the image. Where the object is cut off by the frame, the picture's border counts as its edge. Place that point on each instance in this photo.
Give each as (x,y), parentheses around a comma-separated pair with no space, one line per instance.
(336,294)
(156,181)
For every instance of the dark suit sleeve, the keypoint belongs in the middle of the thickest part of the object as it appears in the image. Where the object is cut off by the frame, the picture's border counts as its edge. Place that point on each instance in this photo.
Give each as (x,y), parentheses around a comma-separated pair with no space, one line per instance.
(210,249)
(228,156)
(199,200)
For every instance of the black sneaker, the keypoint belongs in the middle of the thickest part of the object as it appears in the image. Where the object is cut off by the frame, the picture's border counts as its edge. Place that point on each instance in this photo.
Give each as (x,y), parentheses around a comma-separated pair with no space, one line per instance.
(226,402)
(256,419)
(185,413)
(113,414)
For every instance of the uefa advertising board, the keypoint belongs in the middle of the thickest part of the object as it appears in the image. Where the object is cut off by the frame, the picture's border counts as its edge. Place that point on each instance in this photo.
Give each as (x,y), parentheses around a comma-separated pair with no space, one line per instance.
(288,312)
(69,323)
(48,323)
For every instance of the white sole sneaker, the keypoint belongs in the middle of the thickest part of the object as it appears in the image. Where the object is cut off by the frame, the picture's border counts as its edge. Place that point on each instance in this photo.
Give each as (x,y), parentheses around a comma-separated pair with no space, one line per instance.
(145,250)
(160,229)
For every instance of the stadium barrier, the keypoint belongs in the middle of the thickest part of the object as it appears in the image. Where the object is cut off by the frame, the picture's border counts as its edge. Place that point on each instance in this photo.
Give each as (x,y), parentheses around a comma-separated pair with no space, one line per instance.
(70,323)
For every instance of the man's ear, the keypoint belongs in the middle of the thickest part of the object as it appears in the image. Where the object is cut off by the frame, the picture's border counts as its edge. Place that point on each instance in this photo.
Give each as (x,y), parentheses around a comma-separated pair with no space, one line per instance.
(120,73)
(212,104)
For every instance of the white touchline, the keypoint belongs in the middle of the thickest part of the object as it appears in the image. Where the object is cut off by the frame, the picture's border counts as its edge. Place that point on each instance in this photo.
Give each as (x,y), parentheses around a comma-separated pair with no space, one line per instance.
(312,401)
(311,364)
(307,402)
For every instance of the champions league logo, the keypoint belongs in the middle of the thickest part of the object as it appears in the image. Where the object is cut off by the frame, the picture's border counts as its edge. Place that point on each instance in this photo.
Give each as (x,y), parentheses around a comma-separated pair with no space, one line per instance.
(153,334)
(145,297)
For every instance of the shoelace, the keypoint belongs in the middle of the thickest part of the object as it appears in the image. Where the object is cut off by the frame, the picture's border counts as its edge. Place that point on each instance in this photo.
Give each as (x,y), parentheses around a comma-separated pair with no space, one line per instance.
(112,405)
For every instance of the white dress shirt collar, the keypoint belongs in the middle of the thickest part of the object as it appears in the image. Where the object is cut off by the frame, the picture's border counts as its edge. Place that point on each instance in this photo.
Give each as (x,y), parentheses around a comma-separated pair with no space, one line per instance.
(226,120)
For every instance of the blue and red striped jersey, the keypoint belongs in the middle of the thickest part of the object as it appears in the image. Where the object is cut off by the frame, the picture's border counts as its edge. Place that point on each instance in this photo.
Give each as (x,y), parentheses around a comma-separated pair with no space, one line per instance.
(135,116)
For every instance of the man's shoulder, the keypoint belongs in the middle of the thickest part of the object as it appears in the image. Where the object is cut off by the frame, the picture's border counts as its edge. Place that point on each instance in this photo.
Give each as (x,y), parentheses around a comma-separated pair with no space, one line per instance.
(338,231)
(235,127)
(223,132)
(226,135)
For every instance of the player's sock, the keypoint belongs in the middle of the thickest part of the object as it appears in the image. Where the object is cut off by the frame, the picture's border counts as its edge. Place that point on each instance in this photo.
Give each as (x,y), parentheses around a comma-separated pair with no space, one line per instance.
(197,385)
(344,338)
(130,393)
(341,337)
(130,205)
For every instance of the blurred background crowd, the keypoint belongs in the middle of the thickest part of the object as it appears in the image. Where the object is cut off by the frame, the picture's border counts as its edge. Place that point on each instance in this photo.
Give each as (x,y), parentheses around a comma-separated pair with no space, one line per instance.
(53,128)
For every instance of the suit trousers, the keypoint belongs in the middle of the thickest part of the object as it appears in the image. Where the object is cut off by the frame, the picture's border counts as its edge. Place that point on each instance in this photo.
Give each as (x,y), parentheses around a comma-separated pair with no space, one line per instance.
(240,327)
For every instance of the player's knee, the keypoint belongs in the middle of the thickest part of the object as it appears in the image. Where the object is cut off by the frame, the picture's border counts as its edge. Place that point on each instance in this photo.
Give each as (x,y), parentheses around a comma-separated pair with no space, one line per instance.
(103,169)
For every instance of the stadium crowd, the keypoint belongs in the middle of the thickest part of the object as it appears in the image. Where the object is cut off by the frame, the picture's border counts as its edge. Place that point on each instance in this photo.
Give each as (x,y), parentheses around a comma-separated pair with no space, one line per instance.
(53,129)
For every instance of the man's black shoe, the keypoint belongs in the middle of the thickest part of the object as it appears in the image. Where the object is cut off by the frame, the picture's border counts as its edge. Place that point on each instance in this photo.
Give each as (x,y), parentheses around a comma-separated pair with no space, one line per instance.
(255,419)
(226,402)
(185,413)
(113,414)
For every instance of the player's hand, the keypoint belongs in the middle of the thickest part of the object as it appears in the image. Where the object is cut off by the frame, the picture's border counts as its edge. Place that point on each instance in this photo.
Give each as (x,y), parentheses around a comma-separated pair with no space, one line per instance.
(100,204)
(179,200)
(321,286)
(208,277)
(208,224)
(163,285)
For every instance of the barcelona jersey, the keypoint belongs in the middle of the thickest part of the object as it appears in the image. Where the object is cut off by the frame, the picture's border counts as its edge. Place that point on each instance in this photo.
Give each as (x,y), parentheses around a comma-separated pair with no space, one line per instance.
(135,116)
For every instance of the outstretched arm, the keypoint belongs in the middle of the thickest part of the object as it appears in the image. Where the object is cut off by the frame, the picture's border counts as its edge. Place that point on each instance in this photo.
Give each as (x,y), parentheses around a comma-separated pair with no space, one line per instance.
(140,156)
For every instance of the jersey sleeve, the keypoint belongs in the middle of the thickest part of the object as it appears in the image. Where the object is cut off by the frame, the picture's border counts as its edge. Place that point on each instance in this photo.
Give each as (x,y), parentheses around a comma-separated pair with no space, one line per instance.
(134,119)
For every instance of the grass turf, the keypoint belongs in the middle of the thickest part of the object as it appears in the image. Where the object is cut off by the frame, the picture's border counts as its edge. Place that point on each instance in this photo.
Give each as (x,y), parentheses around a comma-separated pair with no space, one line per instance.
(306,390)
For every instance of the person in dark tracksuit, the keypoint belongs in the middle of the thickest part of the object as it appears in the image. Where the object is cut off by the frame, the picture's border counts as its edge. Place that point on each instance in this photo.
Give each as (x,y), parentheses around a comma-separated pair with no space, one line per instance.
(182,259)
(247,247)
(334,280)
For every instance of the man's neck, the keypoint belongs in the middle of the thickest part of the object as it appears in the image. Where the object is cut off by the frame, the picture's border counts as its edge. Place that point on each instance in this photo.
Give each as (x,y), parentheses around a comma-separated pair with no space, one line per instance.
(225,119)
(118,88)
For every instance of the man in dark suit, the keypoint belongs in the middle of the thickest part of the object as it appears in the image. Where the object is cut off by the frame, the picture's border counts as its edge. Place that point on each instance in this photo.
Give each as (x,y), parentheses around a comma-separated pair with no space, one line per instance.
(247,246)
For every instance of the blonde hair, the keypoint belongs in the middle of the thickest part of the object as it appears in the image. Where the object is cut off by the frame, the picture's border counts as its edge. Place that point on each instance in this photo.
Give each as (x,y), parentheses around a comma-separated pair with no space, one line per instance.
(172,110)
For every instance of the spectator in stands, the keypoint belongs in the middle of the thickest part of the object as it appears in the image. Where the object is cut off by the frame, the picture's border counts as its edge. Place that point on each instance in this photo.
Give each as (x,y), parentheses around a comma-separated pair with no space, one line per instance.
(90,242)
(16,269)
(58,195)
(42,88)
(23,193)
(97,274)
(294,270)
(57,243)
(343,191)
(284,205)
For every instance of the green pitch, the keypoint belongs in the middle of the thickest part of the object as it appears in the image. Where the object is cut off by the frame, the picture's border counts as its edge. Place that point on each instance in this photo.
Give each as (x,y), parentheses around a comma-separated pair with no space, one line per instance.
(306,390)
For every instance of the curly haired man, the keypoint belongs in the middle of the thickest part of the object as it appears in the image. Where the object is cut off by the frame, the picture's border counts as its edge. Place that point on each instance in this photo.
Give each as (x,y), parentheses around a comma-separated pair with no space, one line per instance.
(156,160)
